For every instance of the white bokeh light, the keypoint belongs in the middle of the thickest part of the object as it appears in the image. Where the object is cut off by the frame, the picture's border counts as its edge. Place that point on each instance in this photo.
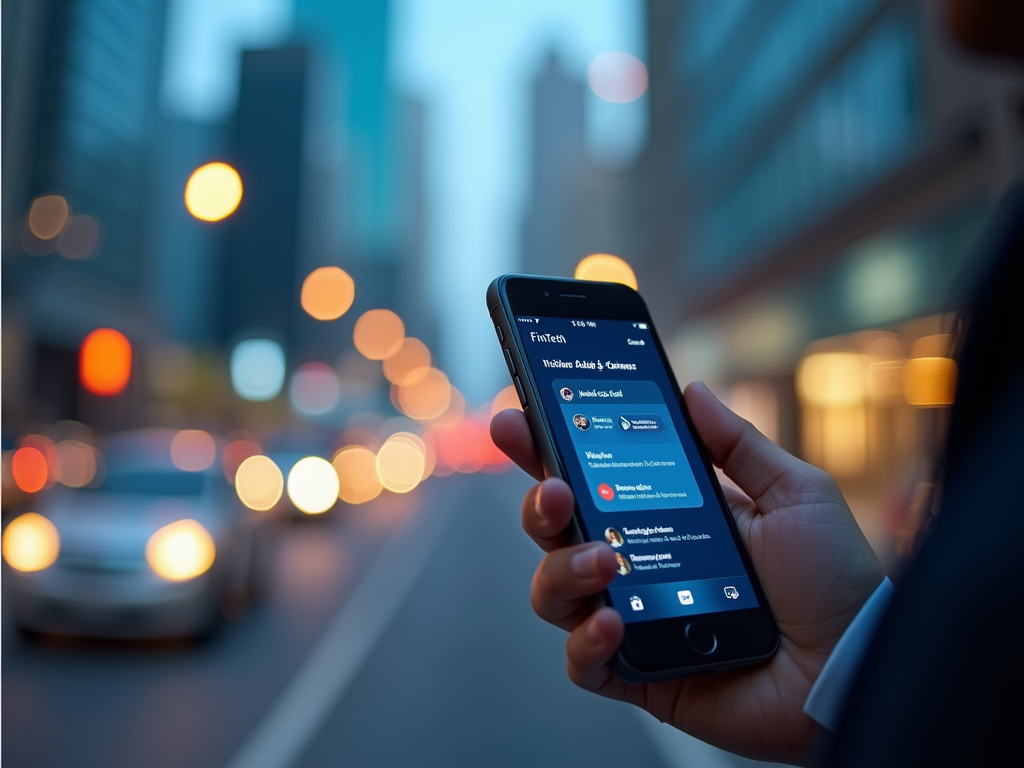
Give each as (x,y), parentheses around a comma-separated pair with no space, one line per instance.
(257,369)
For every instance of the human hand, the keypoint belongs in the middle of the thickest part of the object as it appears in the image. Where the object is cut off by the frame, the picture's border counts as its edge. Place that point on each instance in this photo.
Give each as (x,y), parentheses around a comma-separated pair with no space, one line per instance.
(815,566)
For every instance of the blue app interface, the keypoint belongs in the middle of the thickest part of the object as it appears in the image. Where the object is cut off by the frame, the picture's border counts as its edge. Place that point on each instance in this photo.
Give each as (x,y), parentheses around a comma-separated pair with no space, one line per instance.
(638,477)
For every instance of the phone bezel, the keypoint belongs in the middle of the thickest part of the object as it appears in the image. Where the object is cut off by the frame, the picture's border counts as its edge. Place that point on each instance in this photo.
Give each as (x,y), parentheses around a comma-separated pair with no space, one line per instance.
(654,649)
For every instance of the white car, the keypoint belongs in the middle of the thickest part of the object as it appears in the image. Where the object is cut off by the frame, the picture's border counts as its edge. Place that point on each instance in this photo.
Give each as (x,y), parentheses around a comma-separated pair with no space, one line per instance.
(151,551)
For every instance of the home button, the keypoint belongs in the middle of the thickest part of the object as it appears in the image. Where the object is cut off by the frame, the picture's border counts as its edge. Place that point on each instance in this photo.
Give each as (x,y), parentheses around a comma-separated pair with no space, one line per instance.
(701,639)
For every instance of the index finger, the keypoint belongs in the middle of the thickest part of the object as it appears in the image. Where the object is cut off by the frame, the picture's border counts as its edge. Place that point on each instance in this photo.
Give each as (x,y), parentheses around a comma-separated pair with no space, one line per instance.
(511,434)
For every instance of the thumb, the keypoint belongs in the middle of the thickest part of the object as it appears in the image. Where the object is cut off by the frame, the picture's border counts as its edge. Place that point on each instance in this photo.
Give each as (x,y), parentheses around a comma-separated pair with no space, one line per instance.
(757,465)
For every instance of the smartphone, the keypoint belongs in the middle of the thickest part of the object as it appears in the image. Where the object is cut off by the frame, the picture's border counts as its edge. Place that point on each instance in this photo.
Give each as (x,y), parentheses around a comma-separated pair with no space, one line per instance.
(608,417)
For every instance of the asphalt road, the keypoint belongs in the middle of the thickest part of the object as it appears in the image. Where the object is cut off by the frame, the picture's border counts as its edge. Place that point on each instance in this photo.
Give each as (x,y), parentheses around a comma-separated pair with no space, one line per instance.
(398,633)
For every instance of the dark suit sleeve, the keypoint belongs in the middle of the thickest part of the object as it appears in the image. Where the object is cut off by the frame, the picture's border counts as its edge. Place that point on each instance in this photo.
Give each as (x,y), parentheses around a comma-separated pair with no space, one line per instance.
(943,682)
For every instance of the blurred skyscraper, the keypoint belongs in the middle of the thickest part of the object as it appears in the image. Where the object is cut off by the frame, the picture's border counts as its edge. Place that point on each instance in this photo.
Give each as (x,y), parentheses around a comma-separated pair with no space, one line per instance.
(260,280)
(80,82)
(575,207)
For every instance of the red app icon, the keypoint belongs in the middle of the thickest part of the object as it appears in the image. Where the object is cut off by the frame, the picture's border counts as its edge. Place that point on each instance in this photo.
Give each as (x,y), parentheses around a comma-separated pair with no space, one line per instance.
(605,491)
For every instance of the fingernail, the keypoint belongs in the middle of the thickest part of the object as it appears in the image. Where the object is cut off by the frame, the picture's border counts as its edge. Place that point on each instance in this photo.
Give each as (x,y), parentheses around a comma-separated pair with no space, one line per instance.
(593,632)
(536,505)
(584,562)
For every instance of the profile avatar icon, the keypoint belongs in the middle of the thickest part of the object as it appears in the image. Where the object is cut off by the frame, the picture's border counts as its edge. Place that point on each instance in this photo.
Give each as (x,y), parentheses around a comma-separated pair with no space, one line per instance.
(624,565)
(566,393)
(613,537)
(582,422)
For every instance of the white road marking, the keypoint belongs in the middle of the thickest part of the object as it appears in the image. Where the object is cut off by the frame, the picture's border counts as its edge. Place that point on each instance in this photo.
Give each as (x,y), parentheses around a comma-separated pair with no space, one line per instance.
(281,737)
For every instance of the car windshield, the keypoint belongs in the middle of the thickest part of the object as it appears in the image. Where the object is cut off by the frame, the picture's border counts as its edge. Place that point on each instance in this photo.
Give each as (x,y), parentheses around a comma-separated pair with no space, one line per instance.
(153,482)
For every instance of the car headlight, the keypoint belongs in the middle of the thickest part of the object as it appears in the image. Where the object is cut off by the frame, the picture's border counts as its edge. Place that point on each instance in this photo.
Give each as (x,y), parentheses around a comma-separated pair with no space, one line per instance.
(180,551)
(31,543)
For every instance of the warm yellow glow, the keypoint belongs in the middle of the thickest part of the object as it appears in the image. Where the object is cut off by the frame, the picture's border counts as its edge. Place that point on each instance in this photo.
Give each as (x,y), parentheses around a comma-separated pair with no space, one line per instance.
(313,485)
(47,216)
(507,398)
(327,293)
(235,453)
(832,379)
(930,382)
(409,364)
(31,543)
(835,439)
(885,380)
(428,398)
(181,551)
(213,191)
(357,474)
(259,483)
(605,268)
(379,334)
(74,463)
(936,345)
(401,462)
(193,450)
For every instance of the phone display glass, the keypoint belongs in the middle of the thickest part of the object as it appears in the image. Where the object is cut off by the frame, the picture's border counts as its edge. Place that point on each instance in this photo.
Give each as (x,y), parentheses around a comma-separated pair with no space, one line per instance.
(639,478)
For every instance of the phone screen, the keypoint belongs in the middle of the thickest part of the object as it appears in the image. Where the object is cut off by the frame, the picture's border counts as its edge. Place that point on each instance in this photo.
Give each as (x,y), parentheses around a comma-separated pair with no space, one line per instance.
(639,480)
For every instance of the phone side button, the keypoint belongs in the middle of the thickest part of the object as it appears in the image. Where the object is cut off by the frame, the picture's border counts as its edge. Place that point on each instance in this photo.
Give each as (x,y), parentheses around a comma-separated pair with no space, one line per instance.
(519,390)
(509,363)
(701,638)
(501,336)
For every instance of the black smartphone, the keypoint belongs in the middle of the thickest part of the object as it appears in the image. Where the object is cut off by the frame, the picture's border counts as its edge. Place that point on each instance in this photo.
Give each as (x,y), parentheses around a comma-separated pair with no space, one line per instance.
(607,416)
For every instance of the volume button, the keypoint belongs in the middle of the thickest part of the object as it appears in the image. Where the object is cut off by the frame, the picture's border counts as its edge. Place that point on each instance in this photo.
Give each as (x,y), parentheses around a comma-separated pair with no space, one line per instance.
(509,363)
(501,336)
(519,390)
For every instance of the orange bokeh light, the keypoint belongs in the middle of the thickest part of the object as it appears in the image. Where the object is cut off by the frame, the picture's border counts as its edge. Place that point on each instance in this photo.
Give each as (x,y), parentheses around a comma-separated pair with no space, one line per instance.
(48,216)
(105,362)
(409,364)
(357,474)
(327,293)
(379,334)
(193,450)
(428,398)
(30,469)
(606,268)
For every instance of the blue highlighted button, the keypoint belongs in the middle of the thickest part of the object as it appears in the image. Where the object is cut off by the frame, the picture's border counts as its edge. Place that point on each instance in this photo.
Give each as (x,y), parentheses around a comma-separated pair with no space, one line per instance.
(641,422)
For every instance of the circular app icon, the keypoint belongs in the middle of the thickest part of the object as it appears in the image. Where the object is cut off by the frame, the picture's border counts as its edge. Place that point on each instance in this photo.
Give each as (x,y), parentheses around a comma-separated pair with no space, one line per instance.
(606,492)
(566,393)
(582,422)
(613,537)
(624,565)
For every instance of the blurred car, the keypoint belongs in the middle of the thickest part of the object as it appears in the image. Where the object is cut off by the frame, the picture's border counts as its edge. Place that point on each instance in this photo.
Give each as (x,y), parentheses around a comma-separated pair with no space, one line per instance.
(151,550)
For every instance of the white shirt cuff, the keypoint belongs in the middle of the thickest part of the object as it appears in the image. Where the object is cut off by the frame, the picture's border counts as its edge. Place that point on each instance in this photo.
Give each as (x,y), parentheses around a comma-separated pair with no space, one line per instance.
(828,694)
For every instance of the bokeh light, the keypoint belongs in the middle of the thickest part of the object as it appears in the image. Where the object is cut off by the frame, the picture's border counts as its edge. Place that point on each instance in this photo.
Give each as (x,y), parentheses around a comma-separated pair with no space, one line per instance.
(31,543)
(235,453)
(257,369)
(29,468)
(379,334)
(409,364)
(617,77)
(606,268)
(181,550)
(47,216)
(315,389)
(832,379)
(930,382)
(105,362)
(507,398)
(81,238)
(313,485)
(427,398)
(327,293)
(259,483)
(193,450)
(213,191)
(74,463)
(400,463)
(357,474)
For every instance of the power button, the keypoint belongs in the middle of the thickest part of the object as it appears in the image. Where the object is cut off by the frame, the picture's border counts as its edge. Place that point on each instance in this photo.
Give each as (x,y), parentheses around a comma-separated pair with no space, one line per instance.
(519,390)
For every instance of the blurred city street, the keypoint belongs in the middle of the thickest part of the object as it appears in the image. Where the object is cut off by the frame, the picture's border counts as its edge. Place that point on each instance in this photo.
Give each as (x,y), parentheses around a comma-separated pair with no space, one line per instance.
(252,513)
(491,693)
